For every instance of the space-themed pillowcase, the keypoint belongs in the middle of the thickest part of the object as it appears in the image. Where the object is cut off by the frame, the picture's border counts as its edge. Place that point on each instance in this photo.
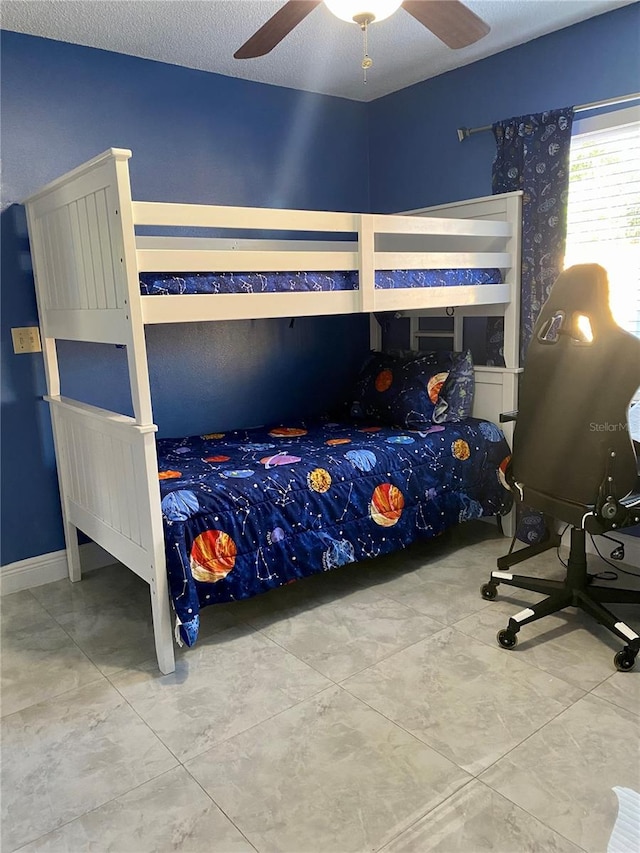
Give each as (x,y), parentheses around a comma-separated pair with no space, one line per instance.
(455,400)
(414,390)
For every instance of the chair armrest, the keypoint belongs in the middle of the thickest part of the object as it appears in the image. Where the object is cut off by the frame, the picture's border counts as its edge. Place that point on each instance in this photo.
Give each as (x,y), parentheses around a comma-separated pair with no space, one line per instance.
(620,513)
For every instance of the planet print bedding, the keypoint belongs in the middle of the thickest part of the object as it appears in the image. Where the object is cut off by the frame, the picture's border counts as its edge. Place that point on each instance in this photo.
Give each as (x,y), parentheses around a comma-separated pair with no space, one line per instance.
(247,511)
(182,284)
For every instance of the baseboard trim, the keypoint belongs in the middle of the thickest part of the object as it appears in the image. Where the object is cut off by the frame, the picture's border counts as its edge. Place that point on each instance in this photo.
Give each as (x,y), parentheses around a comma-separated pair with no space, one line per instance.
(46,568)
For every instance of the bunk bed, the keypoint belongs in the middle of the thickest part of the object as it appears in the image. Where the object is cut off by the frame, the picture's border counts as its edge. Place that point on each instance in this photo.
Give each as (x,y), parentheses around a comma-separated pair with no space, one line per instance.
(159,506)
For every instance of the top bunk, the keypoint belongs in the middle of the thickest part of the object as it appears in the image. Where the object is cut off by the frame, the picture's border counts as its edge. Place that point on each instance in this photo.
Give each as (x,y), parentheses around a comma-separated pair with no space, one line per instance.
(97,276)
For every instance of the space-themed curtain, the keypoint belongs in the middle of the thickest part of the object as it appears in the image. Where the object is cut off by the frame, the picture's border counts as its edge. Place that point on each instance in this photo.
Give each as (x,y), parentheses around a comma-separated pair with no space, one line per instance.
(532,155)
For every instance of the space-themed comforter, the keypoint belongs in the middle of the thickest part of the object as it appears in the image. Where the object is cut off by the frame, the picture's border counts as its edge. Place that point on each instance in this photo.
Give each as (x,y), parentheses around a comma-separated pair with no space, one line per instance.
(248,511)
(181,284)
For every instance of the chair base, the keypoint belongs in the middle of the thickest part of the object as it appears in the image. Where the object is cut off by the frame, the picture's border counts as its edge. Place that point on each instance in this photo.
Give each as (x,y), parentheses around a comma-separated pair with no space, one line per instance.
(576,590)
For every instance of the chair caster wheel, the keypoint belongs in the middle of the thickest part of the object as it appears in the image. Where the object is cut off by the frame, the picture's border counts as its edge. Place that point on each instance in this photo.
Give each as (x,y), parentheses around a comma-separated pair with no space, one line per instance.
(624,660)
(507,639)
(488,591)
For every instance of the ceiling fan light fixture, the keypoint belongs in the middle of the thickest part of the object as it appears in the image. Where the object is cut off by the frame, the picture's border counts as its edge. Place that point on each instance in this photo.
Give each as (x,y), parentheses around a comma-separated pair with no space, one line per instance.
(362,10)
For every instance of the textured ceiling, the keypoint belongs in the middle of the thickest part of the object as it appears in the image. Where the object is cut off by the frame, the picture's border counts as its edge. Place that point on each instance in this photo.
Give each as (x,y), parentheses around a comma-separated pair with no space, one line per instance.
(322,54)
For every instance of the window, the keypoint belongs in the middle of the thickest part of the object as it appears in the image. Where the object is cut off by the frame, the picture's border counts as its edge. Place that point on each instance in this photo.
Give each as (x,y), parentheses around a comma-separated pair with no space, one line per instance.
(603,219)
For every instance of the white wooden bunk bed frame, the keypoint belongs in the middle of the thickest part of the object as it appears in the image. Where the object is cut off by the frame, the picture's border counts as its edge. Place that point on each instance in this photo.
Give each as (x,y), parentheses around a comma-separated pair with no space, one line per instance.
(87,259)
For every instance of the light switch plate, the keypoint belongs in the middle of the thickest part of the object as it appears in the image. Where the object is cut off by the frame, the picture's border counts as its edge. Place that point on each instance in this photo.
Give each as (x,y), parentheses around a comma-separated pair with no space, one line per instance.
(26,339)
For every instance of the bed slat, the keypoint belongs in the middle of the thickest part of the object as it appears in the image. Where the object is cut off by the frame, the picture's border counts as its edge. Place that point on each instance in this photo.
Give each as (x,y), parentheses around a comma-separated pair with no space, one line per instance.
(440,260)
(248,306)
(180,260)
(411,298)
(251,218)
(442,226)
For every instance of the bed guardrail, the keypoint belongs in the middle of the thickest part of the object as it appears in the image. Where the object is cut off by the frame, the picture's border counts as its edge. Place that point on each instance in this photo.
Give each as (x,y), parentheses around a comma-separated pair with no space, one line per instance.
(87,261)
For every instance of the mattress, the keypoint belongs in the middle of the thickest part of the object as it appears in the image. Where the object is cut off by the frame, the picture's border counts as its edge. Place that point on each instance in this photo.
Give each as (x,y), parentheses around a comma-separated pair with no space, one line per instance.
(245,512)
(164,284)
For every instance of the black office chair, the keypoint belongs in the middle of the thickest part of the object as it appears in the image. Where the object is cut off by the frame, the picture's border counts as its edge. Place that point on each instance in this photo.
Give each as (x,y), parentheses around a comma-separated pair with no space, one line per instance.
(573,458)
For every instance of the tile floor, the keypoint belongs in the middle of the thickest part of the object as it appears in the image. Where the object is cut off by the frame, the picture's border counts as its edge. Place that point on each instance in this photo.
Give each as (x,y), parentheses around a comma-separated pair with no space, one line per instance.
(370,709)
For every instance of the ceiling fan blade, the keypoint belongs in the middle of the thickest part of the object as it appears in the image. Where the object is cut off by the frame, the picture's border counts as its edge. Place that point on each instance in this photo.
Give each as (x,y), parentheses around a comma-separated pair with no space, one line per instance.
(277,27)
(451,21)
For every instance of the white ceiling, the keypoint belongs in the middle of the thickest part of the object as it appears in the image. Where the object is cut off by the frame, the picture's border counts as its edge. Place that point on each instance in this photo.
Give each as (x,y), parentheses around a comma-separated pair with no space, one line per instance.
(322,54)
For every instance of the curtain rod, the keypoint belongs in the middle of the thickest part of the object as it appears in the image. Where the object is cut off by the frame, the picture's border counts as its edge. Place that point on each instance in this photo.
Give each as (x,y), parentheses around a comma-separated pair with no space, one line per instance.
(464,132)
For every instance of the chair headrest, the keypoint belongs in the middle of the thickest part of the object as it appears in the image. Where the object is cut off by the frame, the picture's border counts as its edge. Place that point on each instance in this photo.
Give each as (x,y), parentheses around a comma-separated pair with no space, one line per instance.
(580,291)
(580,374)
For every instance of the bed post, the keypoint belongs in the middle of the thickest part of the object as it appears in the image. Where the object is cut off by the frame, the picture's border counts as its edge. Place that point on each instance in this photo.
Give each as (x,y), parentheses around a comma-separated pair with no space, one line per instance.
(74,565)
(366,266)
(141,400)
(375,333)
(136,346)
(158,580)
(52,376)
(512,277)
(512,334)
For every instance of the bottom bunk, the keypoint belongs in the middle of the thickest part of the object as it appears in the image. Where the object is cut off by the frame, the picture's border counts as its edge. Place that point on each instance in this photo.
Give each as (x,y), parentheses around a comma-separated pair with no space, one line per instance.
(225,516)
(245,512)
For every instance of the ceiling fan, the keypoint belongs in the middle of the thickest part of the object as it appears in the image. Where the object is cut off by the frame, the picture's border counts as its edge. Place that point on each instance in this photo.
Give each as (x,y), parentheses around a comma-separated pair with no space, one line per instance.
(451,21)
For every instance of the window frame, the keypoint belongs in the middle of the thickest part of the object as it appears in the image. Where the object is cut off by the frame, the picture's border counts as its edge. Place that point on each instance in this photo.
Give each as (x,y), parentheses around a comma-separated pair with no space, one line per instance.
(603,120)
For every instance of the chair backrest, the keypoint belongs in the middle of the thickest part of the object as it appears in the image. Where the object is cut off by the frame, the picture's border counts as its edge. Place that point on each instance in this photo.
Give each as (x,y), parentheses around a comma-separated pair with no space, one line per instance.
(579,378)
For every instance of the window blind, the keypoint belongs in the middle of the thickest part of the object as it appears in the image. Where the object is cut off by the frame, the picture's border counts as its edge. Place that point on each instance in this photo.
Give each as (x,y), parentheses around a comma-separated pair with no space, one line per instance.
(603,219)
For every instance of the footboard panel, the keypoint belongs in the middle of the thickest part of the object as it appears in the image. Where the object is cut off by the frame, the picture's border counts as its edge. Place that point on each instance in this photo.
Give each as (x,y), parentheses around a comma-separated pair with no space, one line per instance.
(108,473)
(107,463)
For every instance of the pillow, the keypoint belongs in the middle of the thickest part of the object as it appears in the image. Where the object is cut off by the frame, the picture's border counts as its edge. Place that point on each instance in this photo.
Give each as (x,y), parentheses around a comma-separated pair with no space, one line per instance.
(455,401)
(414,390)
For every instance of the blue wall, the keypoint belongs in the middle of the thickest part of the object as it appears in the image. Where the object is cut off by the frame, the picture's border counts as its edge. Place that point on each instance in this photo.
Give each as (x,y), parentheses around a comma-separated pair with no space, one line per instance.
(204,138)
(416,159)
(195,137)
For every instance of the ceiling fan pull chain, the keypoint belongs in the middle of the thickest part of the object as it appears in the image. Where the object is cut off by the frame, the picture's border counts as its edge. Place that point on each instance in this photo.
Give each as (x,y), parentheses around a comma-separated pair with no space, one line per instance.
(367,62)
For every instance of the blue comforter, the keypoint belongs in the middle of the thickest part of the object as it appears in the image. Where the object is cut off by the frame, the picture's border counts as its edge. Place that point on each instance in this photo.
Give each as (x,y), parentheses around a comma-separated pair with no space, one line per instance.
(248,511)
